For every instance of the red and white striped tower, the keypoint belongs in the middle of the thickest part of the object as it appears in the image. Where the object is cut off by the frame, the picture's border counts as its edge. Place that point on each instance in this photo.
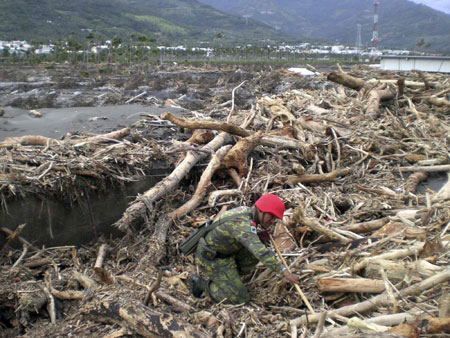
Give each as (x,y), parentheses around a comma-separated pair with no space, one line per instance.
(375,26)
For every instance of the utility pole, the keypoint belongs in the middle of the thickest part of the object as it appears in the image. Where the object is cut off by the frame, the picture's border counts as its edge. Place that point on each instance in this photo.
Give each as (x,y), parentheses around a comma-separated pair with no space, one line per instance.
(375,29)
(358,44)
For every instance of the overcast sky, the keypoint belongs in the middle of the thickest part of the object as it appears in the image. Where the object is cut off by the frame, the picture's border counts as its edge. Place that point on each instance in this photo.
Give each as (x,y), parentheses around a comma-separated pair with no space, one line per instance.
(441,5)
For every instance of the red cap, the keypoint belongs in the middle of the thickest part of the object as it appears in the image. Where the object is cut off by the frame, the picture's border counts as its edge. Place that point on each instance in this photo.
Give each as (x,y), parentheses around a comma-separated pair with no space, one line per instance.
(271,204)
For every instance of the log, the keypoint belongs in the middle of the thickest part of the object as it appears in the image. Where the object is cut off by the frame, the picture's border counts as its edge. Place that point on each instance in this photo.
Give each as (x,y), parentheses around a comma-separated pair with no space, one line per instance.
(365,227)
(346,80)
(394,254)
(435,325)
(405,330)
(375,97)
(237,156)
(385,320)
(318,178)
(414,180)
(398,271)
(28,140)
(163,223)
(205,124)
(380,300)
(135,212)
(438,101)
(428,169)
(350,285)
(204,182)
(136,316)
(37,140)
(332,235)
(114,135)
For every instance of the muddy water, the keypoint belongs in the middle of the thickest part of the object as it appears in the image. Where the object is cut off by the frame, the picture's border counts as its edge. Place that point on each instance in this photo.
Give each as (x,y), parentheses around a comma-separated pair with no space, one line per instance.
(56,122)
(53,222)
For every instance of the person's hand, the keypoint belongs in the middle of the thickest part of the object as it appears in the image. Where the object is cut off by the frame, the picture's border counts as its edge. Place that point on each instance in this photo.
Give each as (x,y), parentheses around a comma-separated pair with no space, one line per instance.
(291,277)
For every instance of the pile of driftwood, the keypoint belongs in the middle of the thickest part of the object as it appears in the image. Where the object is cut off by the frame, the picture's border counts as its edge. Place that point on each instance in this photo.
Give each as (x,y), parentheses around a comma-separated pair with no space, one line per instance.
(35,164)
(347,155)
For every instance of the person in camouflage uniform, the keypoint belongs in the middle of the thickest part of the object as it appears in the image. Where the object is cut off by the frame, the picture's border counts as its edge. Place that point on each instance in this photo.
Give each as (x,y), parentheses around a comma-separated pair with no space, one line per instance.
(233,249)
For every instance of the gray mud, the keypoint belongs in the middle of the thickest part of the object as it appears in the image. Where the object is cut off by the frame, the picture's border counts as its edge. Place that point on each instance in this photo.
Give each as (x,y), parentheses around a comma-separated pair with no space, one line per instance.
(57,122)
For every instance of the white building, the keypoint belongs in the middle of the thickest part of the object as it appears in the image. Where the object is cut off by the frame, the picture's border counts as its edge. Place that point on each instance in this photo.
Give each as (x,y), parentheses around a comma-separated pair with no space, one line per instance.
(436,64)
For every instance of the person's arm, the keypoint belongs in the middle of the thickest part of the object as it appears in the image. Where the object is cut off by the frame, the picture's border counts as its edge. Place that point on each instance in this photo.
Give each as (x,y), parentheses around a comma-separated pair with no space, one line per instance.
(242,232)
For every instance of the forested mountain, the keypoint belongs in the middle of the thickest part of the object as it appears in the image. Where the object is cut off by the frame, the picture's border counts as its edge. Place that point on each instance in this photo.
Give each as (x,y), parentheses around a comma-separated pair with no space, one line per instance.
(402,23)
(169,21)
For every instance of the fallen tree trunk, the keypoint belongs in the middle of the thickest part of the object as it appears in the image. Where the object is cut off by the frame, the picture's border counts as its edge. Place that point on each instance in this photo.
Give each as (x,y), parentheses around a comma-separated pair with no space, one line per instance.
(428,169)
(350,285)
(317,178)
(136,316)
(346,80)
(164,223)
(381,300)
(135,212)
(205,124)
(365,227)
(375,97)
(37,140)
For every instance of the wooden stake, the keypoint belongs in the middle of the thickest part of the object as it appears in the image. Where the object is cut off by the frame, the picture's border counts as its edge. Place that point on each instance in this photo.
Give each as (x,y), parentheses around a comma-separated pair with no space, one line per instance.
(305,300)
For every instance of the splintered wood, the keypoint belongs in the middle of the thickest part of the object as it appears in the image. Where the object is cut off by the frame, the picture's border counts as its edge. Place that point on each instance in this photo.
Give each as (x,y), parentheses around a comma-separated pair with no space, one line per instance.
(354,155)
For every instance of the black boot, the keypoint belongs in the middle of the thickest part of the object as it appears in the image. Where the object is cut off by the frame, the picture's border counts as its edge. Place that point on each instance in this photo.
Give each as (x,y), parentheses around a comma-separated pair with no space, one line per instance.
(198,285)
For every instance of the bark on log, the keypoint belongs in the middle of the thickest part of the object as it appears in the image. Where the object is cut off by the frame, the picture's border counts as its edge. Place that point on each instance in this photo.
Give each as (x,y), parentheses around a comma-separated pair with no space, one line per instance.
(428,169)
(395,254)
(346,80)
(366,227)
(28,140)
(350,285)
(380,300)
(136,316)
(205,124)
(38,140)
(414,180)
(114,135)
(318,178)
(435,325)
(385,320)
(438,101)
(375,97)
(237,156)
(398,271)
(332,235)
(136,211)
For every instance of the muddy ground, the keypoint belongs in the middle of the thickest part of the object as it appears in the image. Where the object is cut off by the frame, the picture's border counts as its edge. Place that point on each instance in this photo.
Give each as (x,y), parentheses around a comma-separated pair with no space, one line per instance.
(98,99)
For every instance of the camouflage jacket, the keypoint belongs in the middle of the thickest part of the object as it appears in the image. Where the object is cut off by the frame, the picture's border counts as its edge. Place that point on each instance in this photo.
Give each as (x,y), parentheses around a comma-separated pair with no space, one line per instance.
(232,236)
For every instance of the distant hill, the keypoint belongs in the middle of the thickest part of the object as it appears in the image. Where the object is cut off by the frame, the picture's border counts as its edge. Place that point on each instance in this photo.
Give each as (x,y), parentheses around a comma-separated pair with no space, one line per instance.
(402,23)
(169,21)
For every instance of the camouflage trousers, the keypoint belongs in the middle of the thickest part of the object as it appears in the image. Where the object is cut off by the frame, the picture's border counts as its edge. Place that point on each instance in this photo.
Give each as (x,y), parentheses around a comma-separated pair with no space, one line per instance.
(225,275)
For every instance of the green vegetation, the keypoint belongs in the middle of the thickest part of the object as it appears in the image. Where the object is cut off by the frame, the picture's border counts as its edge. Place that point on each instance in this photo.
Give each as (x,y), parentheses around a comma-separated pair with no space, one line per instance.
(164,26)
(169,21)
